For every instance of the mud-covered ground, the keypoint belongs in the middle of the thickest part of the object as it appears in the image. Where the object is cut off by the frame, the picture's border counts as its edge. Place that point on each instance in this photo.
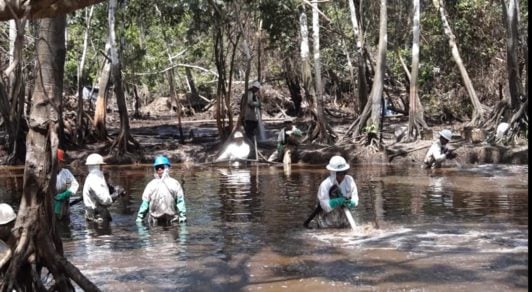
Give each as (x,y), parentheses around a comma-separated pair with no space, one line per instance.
(199,143)
(197,140)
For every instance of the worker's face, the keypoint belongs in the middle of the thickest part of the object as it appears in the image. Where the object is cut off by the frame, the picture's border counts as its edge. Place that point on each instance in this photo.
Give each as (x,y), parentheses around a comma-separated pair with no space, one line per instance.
(159,169)
(340,176)
(443,140)
(239,141)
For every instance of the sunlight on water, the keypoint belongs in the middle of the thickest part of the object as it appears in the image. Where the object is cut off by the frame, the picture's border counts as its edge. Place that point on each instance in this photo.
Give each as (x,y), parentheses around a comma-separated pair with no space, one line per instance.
(429,238)
(450,229)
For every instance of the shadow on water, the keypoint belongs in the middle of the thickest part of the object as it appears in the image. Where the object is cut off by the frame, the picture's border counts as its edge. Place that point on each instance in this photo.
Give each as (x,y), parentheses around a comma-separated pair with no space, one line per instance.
(457,229)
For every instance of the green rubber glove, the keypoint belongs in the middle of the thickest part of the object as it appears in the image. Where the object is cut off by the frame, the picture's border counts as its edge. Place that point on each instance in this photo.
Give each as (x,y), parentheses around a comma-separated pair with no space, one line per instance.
(335,203)
(181,207)
(63,196)
(143,209)
(350,204)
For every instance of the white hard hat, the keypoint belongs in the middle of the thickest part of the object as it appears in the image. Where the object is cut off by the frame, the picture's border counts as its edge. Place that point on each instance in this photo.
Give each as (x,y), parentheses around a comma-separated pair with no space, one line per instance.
(501,129)
(446,134)
(238,134)
(255,84)
(94,159)
(6,214)
(337,163)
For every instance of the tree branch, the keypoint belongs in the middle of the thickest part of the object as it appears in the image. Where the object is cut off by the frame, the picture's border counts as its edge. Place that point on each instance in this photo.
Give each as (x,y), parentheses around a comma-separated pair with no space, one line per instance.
(42,8)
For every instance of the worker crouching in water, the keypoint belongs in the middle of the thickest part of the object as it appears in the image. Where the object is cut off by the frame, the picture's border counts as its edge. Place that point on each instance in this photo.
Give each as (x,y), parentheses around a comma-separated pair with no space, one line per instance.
(236,150)
(439,151)
(337,191)
(163,197)
(287,142)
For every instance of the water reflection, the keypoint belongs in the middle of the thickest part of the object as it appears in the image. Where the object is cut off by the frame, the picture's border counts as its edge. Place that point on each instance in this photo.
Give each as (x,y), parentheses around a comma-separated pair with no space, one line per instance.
(245,231)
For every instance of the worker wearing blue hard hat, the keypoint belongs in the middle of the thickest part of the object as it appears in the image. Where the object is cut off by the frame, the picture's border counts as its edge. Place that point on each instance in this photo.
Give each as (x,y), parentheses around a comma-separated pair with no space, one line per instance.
(163,198)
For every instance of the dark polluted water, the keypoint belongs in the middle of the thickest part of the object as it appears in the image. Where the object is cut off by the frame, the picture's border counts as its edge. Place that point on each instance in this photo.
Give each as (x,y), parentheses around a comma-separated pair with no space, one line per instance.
(449,229)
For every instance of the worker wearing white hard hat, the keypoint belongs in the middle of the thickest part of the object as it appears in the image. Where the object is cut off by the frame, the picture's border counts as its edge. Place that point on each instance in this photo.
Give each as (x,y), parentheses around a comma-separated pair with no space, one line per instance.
(438,151)
(251,110)
(255,84)
(96,196)
(7,222)
(238,149)
(337,190)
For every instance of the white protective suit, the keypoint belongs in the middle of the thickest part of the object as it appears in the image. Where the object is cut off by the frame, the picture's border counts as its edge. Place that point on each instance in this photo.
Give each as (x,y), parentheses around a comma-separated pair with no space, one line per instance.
(235,152)
(330,217)
(436,155)
(65,181)
(95,190)
(165,196)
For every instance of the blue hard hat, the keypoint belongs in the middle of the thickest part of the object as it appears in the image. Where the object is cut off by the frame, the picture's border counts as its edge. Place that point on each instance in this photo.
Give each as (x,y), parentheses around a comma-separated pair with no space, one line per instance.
(161,160)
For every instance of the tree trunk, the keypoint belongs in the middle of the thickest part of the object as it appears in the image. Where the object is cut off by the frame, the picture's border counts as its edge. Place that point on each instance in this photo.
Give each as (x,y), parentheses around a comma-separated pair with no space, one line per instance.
(478,109)
(325,133)
(12,95)
(416,122)
(121,144)
(223,101)
(81,127)
(358,34)
(100,111)
(37,242)
(292,82)
(192,85)
(373,110)
(510,14)
(219,59)
(248,58)
(306,75)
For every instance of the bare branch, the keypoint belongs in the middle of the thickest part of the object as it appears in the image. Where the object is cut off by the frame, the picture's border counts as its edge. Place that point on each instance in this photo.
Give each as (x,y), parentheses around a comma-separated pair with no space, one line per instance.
(174,66)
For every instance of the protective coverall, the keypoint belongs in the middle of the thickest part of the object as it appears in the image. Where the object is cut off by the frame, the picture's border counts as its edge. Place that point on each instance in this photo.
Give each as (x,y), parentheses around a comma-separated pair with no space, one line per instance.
(235,151)
(436,155)
(96,197)
(164,199)
(332,196)
(66,185)
(287,137)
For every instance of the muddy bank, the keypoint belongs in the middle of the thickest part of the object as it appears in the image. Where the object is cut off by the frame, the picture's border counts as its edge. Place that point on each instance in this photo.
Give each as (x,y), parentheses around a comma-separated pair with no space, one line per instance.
(197,141)
(200,143)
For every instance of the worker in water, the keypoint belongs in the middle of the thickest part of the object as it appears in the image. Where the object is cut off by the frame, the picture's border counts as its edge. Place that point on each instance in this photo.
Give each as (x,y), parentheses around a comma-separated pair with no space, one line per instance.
(7,222)
(252,110)
(96,196)
(66,185)
(287,140)
(236,150)
(438,151)
(336,191)
(163,197)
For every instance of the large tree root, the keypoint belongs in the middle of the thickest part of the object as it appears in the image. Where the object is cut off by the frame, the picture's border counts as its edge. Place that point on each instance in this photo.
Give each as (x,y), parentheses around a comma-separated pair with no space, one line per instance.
(124,143)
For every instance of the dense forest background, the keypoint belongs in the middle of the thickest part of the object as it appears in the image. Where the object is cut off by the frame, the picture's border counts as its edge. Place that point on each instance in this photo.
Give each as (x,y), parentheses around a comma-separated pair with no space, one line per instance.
(331,59)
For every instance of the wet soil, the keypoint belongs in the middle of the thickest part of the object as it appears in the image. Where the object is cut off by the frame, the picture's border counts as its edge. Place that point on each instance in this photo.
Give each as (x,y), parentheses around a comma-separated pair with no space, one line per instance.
(197,142)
